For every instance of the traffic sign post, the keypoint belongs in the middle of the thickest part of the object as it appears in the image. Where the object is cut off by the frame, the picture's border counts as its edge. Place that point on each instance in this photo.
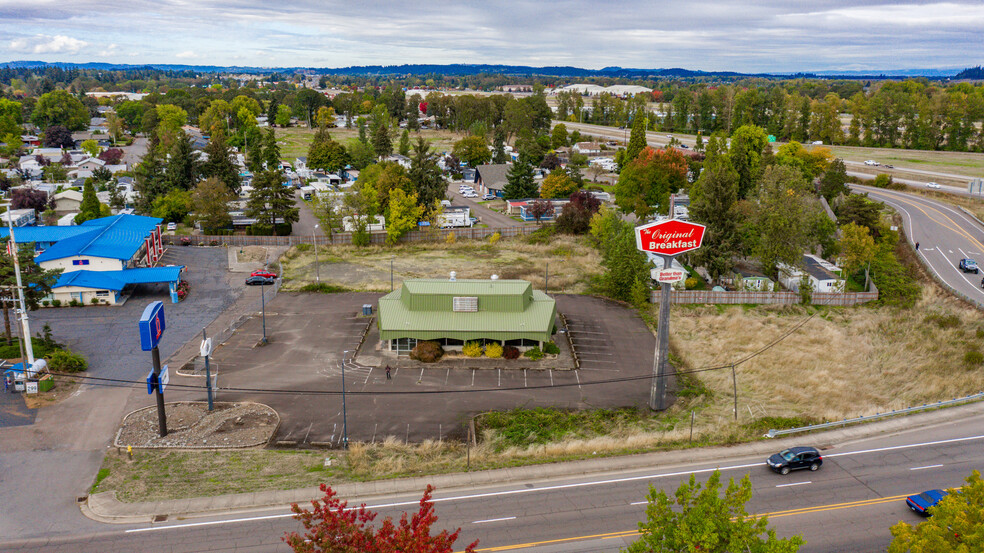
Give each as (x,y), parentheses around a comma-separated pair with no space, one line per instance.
(151,327)
(666,239)
(206,350)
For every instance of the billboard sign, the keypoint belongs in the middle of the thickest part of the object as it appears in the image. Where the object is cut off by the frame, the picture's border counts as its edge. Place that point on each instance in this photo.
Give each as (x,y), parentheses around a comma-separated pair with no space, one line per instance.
(670,237)
(151,326)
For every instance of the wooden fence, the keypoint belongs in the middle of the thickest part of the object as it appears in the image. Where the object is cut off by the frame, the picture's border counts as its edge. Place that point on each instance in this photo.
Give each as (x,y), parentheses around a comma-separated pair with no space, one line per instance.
(340,238)
(844,299)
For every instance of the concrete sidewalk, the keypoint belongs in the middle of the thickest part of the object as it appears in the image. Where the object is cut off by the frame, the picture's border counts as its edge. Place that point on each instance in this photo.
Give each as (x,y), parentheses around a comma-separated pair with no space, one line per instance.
(104,507)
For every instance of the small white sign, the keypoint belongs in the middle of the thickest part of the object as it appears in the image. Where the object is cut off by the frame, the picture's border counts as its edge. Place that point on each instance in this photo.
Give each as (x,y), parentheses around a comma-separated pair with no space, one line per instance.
(32,387)
(206,348)
(164,378)
(893,228)
(669,275)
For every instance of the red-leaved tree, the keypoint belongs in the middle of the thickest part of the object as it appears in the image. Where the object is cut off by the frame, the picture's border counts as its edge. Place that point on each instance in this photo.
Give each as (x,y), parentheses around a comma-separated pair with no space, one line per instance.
(111,156)
(332,526)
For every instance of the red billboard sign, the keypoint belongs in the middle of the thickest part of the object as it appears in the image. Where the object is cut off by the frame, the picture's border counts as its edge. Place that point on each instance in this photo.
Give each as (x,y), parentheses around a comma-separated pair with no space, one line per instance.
(670,237)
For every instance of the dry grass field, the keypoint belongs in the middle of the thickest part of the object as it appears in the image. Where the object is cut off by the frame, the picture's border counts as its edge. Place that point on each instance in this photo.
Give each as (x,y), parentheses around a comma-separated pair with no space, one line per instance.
(570,260)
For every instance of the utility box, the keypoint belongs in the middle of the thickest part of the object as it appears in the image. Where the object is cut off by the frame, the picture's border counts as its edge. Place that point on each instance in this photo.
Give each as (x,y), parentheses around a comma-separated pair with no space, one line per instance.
(367,309)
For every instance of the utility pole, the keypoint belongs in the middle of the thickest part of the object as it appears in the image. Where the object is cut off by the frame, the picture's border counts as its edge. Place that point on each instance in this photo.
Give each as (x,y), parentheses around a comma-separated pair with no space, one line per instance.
(317,267)
(25,325)
(344,418)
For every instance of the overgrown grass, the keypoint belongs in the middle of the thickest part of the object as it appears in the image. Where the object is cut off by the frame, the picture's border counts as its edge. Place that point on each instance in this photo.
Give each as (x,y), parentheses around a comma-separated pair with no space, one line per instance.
(324,288)
(571,261)
(524,427)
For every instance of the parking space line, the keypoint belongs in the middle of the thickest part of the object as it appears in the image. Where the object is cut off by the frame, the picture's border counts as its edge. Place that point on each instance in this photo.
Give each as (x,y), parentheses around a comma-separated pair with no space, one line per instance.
(524,378)
(446,377)
(926,467)
(368,375)
(583,353)
(793,484)
(551,377)
(473,378)
(578,377)
(500,377)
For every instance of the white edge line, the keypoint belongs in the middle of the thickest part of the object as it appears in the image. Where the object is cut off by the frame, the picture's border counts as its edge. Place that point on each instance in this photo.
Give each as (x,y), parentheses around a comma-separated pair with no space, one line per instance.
(639,503)
(926,467)
(561,486)
(794,484)
(492,520)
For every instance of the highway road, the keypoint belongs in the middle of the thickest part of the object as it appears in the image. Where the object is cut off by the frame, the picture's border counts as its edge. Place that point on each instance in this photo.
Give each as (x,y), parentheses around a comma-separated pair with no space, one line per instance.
(945,234)
(848,505)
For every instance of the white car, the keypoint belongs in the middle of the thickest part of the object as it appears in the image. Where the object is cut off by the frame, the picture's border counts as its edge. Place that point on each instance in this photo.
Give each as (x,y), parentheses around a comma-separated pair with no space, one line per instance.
(470,195)
(172,226)
(871,162)
(933,185)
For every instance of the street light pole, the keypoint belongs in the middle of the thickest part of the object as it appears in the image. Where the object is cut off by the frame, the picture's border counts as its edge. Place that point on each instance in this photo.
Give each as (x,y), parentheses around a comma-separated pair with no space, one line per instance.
(317,267)
(344,418)
(392,257)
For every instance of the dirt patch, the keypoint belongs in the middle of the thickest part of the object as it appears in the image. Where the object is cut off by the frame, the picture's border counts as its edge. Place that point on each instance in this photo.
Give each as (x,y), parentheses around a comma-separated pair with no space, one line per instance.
(64,387)
(249,254)
(190,425)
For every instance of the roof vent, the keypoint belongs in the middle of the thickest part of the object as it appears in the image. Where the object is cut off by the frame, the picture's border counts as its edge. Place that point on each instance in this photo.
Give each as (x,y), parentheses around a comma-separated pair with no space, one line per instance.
(495,277)
(454,276)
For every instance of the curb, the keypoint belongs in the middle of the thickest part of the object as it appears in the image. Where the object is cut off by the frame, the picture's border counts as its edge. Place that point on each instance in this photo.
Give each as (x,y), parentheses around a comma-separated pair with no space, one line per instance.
(105,507)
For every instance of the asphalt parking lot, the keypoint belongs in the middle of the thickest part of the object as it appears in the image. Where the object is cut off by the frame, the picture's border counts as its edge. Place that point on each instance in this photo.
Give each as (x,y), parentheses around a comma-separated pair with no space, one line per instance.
(107,336)
(299,373)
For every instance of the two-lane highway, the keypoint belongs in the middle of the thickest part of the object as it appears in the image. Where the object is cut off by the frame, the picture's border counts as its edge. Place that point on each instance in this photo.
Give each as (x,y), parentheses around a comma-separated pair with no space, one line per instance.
(946,234)
(848,505)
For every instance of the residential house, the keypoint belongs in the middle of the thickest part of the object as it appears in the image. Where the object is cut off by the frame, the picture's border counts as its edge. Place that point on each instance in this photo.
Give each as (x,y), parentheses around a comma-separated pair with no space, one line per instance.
(399,159)
(68,201)
(491,179)
(455,216)
(822,275)
(378,224)
(587,148)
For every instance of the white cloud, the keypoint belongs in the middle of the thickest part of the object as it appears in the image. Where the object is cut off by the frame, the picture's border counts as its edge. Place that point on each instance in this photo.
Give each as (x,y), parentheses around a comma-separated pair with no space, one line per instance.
(45,44)
(187,54)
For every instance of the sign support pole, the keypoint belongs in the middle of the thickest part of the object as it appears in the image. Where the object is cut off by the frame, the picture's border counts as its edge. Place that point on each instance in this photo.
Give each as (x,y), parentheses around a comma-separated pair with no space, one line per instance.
(161,416)
(657,396)
(208,374)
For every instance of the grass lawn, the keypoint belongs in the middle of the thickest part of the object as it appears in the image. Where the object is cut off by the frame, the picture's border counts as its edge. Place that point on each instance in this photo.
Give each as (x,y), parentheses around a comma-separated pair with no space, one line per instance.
(295,141)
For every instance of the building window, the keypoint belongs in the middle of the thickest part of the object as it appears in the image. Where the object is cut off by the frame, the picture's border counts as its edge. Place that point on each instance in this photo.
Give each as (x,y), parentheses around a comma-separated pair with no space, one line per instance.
(522,343)
(102,293)
(402,346)
(465,304)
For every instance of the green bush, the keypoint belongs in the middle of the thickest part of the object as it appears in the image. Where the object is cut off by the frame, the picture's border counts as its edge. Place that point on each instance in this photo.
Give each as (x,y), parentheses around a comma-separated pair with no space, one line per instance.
(551,348)
(534,353)
(427,352)
(973,357)
(691,283)
(44,303)
(300,247)
(361,238)
(74,303)
(93,301)
(67,362)
(56,303)
(472,349)
(493,350)
(323,288)
(944,321)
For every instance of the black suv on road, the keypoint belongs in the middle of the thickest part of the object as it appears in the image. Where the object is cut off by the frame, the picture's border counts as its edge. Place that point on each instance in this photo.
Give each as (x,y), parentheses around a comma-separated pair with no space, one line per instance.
(795,458)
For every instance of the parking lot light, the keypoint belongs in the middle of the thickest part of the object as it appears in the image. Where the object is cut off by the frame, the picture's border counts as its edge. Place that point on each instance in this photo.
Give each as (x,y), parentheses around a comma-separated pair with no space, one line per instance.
(344,418)
(317,268)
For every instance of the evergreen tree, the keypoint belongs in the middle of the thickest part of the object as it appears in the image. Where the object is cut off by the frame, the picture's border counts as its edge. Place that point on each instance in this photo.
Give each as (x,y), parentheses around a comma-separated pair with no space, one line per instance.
(37,282)
(381,143)
(182,167)
(149,180)
(521,182)
(89,208)
(426,175)
(637,140)
(405,143)
(271,150)
(499,145)
(712,204)
(271,200)
(219,164)
(834,181)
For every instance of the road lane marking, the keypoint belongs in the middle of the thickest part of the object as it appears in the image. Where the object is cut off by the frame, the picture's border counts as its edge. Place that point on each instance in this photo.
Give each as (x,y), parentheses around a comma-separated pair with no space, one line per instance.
(639,503)
(519,491)
(926,467)
(793,484)
(492,520)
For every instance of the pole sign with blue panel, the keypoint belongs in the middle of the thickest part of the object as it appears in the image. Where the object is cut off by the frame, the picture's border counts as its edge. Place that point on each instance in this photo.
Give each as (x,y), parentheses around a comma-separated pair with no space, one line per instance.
(151,326)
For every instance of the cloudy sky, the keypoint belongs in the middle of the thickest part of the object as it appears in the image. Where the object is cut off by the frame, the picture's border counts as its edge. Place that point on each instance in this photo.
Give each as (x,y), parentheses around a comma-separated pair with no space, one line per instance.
(739,35)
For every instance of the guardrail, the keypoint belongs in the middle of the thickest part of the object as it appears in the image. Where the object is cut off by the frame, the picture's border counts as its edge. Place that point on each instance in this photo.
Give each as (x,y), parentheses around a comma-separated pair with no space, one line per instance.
(866,418)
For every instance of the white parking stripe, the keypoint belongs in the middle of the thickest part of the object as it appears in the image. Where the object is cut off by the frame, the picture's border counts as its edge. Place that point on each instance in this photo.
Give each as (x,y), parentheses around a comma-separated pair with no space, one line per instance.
(493,520)
(926,467)
(793,484)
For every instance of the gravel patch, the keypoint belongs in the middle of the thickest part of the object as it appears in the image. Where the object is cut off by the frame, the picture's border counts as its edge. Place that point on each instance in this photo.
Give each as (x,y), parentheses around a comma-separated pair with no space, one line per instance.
(190,425)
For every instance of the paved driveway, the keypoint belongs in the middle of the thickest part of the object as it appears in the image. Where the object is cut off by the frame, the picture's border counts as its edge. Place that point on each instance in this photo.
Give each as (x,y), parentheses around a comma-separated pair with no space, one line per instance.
(301,368)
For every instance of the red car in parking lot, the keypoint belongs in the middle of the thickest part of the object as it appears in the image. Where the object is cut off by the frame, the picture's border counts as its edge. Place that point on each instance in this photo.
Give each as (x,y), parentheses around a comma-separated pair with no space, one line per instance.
(263,273)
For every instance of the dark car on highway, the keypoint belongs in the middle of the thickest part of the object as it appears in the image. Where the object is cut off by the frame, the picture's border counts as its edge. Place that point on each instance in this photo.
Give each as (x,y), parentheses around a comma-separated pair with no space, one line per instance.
(258,280)
(921,502)
(795,458)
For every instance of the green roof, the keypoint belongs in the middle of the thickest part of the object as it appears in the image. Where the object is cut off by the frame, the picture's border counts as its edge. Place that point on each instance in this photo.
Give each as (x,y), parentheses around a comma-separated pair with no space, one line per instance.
(506,310)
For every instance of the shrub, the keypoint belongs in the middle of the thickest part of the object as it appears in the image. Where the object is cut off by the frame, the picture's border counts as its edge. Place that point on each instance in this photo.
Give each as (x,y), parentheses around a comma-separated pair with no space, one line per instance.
(946,321)
(450,238)
(304,247)
(56,303)
(511,352)
(323,288)
(427,352)
(94,301)
(472,349)
(74,303)
(551,348)
(534,353)
(361,238)
(493,350)
(973,357)
(690,283)
(45,303)
(65,361)
(494,239)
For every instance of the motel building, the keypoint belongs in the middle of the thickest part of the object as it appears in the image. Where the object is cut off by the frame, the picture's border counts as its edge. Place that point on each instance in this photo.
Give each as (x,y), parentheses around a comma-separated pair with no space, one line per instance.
(452,312)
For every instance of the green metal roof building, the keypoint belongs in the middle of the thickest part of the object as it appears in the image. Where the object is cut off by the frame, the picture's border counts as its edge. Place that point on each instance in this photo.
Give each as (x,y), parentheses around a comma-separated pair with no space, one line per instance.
(453,312)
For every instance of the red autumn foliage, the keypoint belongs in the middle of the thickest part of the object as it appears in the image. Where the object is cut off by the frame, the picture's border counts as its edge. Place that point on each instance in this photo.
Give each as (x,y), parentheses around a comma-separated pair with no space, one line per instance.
(111,156)
(331,526)
(423,107)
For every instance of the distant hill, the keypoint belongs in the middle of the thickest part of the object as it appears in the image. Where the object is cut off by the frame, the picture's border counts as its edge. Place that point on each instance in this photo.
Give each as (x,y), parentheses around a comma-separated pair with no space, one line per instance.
(498,69)
(971,73)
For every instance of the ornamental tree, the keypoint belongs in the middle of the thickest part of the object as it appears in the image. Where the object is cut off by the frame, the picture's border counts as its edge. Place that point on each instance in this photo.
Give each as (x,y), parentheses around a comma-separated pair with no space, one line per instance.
(332,526)
(957,524)
(697,518)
